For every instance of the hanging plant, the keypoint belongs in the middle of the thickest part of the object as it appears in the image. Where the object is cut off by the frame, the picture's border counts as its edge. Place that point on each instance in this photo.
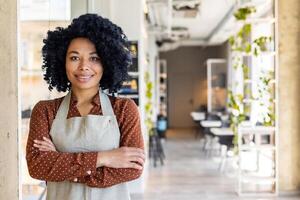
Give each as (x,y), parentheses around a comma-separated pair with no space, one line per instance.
(148,106)
(237,115)
(270,119)
(265,92)
(243,13)
(262,44)
(240,42)
(246,71)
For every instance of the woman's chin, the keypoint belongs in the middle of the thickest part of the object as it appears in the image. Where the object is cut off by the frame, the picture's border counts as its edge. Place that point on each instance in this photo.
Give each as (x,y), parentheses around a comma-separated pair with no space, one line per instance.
(84,86)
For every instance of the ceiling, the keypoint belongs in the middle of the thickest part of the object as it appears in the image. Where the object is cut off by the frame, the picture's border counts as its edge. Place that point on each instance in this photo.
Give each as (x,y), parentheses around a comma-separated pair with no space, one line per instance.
(210,14)
(195,22)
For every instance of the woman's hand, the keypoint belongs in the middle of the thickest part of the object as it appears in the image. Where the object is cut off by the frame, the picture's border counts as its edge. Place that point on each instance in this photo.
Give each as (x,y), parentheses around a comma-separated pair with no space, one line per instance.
(123,157)
(44,145)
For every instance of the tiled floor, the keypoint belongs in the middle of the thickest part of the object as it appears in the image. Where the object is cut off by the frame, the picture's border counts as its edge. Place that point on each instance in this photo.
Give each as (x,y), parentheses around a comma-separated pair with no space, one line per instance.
(189,174)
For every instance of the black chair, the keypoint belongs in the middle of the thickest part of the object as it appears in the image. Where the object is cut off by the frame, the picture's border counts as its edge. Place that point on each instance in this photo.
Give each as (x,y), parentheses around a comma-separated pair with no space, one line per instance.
(156,151)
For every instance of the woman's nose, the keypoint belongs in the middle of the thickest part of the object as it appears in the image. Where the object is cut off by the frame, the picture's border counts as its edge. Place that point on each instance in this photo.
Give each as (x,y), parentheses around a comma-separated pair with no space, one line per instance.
(84,65)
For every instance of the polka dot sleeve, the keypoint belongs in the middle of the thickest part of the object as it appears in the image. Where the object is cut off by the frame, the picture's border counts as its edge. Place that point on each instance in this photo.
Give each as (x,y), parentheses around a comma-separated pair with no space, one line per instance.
(53,166)
(131,136)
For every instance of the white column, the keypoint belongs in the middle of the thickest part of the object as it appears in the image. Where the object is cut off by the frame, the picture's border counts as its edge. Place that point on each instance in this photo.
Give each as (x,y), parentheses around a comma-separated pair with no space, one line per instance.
(289,96)
(9,144)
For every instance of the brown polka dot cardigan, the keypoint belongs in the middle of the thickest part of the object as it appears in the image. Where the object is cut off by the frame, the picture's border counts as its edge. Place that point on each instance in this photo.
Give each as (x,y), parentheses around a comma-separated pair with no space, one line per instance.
(81,167)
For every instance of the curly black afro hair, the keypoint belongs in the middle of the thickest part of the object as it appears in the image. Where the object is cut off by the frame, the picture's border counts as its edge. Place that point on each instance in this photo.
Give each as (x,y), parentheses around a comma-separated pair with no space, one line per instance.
(111,45)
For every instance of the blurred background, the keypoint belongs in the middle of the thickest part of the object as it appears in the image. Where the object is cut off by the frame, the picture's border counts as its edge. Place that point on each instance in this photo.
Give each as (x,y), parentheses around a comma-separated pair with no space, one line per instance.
(216,83)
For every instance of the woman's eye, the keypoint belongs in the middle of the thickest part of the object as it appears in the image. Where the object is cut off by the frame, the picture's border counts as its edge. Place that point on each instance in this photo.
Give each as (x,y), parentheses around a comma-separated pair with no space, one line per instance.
(95,59)
(74,58)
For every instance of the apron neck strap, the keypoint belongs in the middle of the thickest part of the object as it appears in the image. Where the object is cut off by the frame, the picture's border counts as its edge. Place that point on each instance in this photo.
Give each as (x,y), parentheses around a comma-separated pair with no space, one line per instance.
(106,106)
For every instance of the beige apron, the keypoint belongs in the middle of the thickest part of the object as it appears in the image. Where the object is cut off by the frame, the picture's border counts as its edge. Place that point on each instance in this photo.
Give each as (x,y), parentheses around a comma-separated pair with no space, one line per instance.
(85,134)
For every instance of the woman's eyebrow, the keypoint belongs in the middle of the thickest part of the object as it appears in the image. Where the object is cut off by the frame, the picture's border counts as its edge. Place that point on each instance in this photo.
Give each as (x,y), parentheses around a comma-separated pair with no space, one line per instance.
(76,52)
(73,52)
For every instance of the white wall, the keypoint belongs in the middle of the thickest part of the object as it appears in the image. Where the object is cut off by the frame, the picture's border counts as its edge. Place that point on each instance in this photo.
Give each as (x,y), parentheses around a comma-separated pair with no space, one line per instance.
(153,55)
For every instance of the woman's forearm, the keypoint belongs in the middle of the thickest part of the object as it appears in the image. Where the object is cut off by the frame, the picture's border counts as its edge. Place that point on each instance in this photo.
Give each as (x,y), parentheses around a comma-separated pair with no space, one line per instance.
(123,157)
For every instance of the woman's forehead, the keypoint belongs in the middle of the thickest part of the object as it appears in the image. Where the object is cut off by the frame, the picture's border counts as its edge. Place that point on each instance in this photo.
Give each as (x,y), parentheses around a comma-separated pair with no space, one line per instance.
(81,44)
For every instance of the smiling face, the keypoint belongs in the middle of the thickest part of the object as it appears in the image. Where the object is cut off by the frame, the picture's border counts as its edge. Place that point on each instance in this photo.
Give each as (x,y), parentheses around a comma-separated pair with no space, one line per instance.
(83,66)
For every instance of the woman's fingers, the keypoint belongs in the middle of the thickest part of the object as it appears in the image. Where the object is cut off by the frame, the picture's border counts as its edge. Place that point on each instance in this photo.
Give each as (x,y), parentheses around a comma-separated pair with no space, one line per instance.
(134,152)
(135,166)
(42,148)
(137,159)
(41,143)
(132,165)
(136,156)
(44,145)
(48,141)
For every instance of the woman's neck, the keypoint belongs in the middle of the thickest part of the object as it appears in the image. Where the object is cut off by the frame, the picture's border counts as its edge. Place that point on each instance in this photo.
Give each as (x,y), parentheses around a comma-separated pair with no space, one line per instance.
(84,96)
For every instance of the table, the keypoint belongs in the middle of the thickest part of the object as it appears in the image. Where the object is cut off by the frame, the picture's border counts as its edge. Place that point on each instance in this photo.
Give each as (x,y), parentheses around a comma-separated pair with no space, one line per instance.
(211,123)
(198,116)
(226,131)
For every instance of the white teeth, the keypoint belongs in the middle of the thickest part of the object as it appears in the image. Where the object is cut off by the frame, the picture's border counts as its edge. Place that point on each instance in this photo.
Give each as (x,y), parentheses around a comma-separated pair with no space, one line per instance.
(83,78)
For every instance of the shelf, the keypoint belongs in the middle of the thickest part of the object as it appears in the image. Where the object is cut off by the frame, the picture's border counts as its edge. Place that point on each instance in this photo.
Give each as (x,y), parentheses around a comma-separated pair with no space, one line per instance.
(249,81)
(262,130)
(133,96)
(248,100)
(267,20)
(263,53)
(266,53)
(247,3)
(257,144)
(257,147)
(163,74)
(255,100)
(162,87)
(258,194)
(257,179)
(135,74)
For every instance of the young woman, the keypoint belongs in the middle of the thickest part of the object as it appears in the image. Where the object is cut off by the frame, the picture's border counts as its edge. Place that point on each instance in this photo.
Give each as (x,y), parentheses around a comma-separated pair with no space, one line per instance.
(87,144)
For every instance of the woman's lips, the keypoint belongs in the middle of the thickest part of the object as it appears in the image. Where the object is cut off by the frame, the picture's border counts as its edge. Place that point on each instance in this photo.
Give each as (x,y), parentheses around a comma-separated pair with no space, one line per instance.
(83,78)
